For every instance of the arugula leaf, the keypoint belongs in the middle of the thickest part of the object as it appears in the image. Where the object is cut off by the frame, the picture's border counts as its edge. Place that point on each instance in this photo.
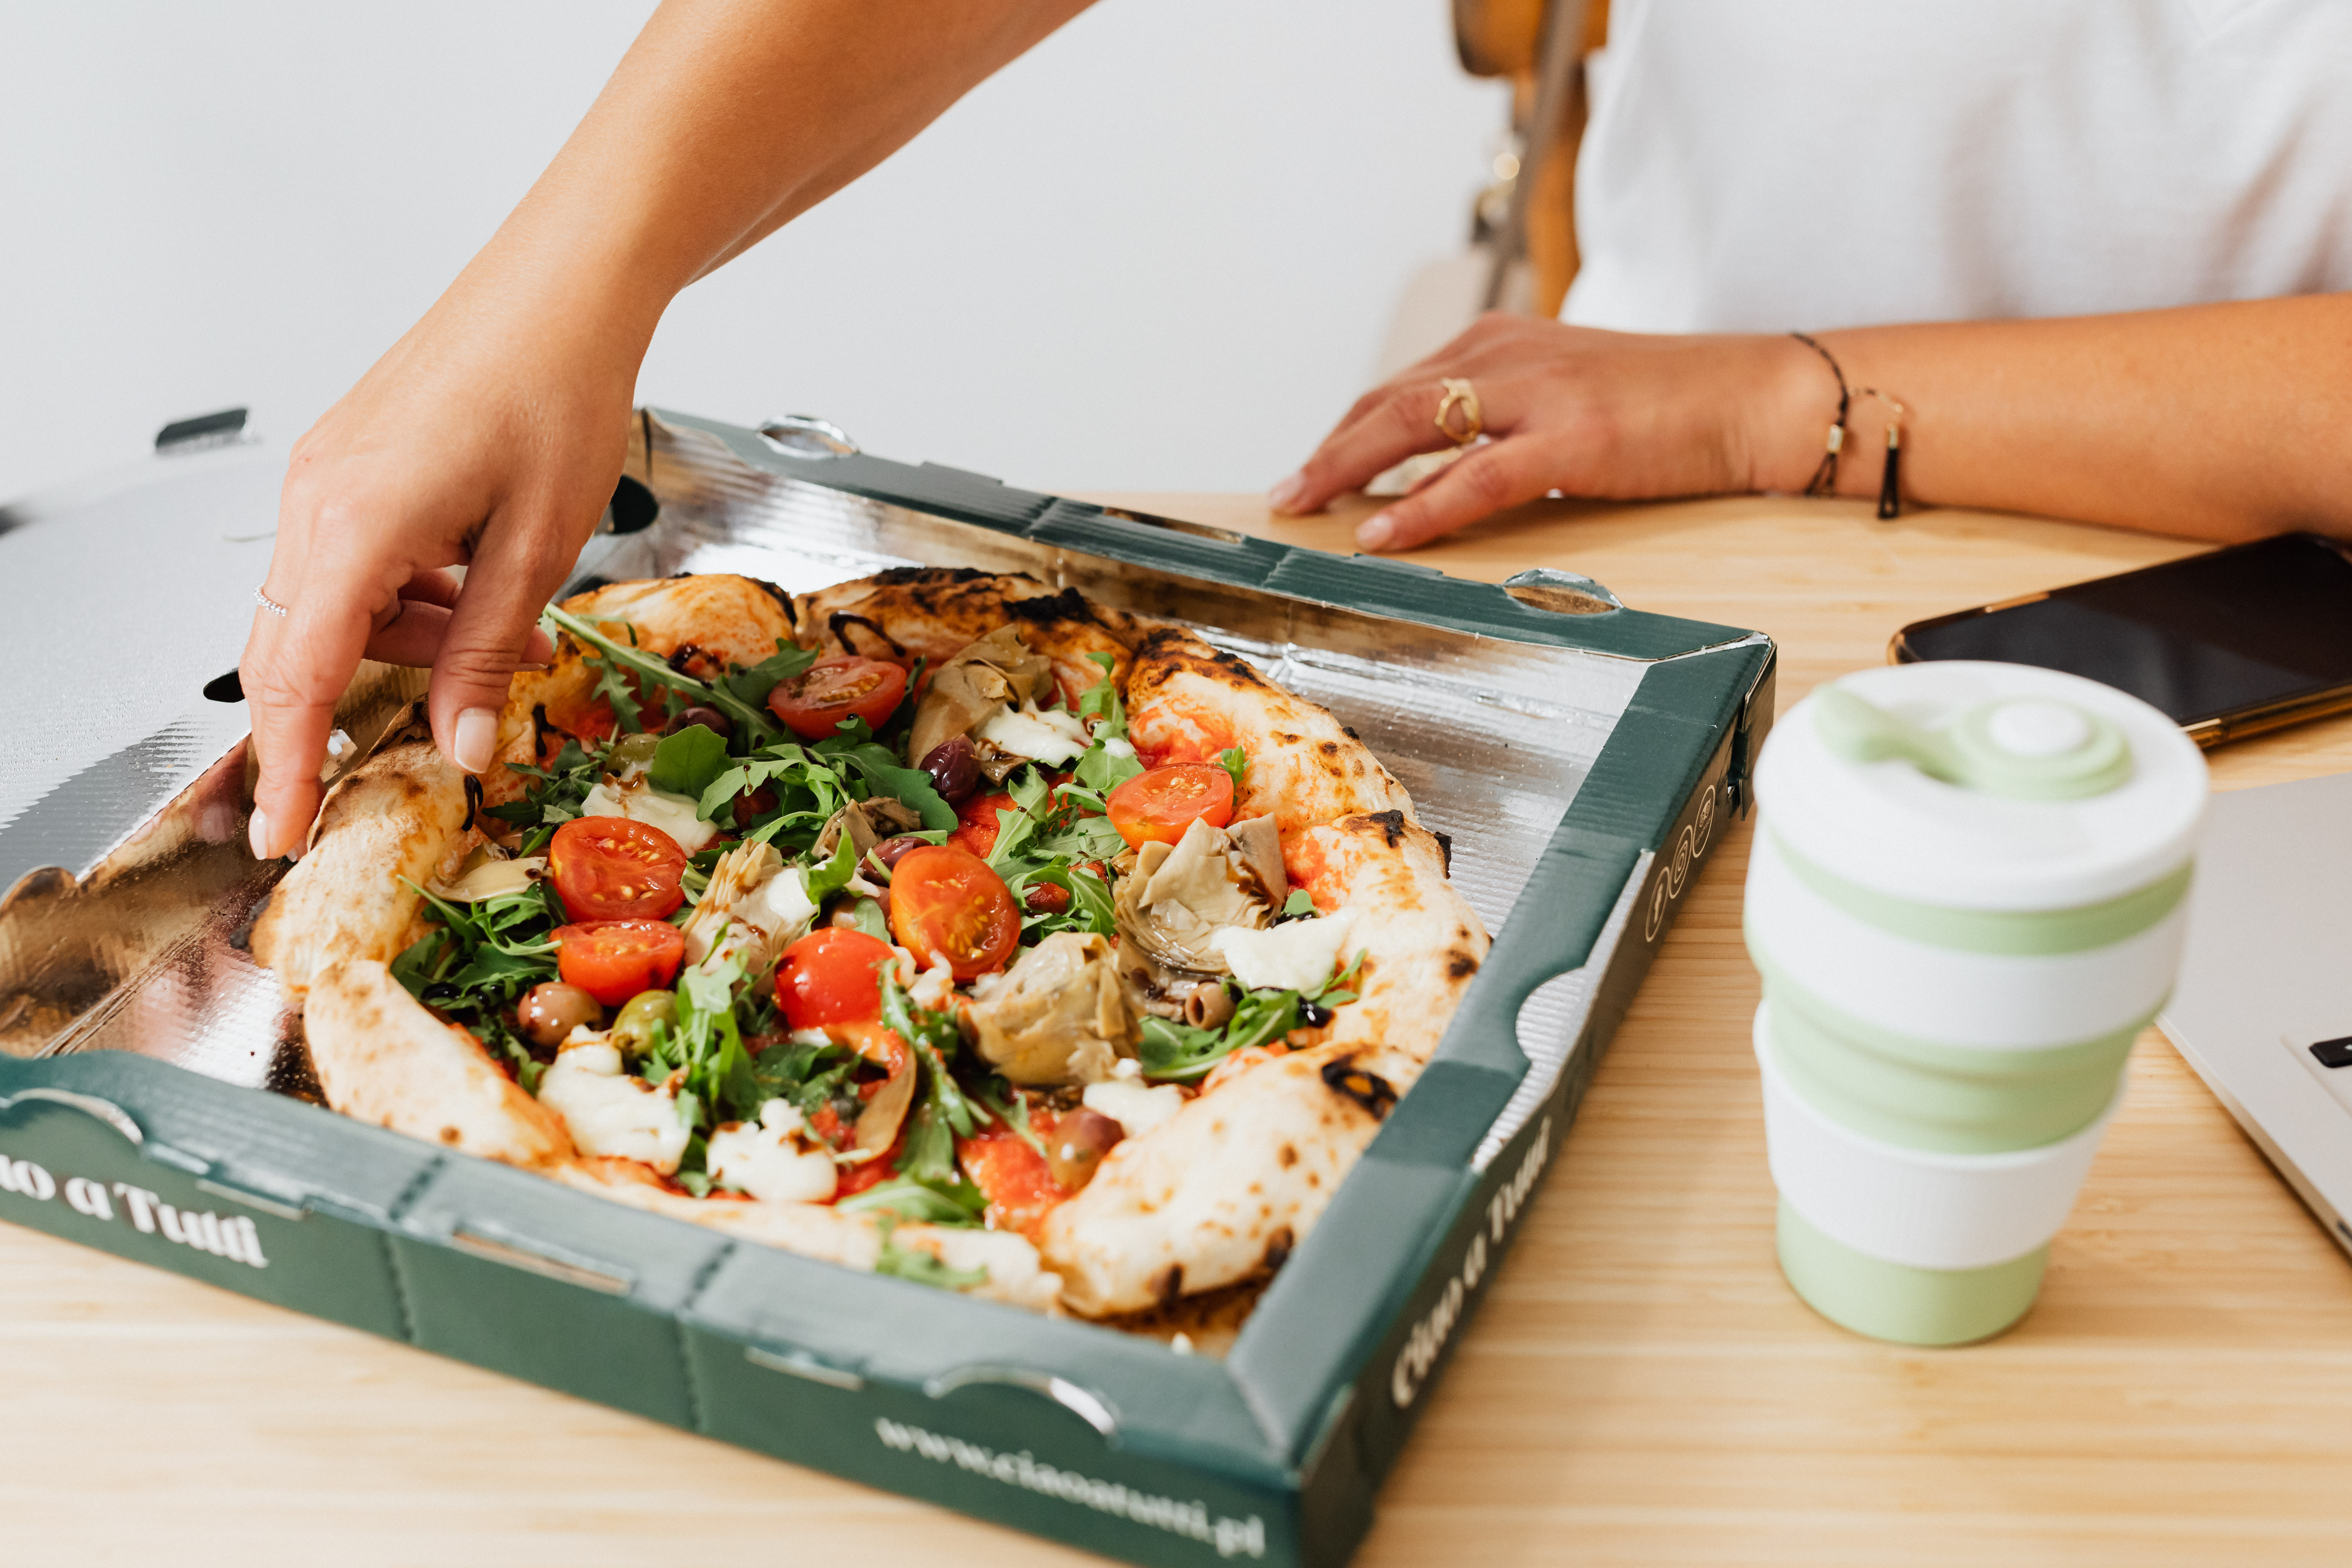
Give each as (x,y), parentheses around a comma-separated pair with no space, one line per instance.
(822,882)
(909,1263)
(1300,906)
(1101,702)
(752,719)
(1236,762)
(1180,1052)
(687,760)
(1015,828)
(945,1112)
(1001,1098)
(883,775)
(558,790)
(962,1204)
(752,685)
(866,915)
(1103,771)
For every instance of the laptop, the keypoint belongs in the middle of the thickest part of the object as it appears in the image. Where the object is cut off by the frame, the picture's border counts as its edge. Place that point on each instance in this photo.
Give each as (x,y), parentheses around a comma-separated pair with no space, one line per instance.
(2262,1010)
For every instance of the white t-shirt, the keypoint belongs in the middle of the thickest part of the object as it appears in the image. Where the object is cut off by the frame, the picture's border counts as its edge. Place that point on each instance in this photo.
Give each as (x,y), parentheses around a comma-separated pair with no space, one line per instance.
(1762,165)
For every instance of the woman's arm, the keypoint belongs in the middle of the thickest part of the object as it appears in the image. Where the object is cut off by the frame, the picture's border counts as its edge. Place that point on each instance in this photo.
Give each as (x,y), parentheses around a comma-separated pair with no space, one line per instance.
(2214,421)
(491,435)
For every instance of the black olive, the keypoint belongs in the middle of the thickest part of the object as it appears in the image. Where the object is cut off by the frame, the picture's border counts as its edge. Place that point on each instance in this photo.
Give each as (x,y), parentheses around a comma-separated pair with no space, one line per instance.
(710,719)
(1313,1015)
(954,768)
(890,851)
(551,1011)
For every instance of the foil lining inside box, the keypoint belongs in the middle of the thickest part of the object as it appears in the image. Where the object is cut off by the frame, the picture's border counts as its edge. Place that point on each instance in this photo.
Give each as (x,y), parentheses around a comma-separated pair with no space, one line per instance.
(142,947)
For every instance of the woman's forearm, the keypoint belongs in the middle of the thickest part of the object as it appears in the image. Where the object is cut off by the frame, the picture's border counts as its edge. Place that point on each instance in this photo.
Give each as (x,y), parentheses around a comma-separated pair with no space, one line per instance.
(2215,421)
(726,120)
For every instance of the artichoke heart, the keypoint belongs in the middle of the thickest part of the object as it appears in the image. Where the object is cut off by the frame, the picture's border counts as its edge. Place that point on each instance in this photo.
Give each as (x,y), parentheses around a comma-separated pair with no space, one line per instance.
(981,680)
(731,900)
(1172,905)
(1056,1016)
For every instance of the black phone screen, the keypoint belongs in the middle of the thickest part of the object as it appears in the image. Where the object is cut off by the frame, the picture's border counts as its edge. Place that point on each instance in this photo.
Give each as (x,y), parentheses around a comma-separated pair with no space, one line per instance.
(2199,638)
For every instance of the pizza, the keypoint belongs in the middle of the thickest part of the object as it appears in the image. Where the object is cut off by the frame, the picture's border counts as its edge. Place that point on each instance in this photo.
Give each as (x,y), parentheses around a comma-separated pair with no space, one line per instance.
(934,923)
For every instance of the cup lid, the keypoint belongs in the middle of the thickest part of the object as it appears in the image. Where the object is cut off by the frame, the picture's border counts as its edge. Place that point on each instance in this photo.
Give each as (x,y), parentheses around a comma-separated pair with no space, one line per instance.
(1979,786)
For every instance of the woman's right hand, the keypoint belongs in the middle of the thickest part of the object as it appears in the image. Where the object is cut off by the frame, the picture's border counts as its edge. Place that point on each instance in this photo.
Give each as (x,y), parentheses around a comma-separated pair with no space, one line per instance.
(490,438)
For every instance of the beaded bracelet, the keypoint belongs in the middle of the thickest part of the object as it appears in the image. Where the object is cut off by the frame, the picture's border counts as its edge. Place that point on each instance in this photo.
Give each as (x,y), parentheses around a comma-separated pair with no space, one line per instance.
(1824,480)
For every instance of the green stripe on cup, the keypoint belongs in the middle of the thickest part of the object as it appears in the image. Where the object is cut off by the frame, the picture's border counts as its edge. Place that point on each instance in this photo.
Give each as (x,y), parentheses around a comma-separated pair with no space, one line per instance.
(2016,934)
(1895,1301)
(1927,1094)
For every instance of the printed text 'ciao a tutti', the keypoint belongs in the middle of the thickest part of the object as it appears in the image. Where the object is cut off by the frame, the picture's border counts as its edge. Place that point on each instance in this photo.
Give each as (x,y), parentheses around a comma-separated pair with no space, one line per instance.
(236,1238)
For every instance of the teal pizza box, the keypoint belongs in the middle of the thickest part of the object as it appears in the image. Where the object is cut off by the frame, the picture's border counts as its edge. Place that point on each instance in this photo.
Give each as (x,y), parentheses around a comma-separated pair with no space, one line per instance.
(153,1101)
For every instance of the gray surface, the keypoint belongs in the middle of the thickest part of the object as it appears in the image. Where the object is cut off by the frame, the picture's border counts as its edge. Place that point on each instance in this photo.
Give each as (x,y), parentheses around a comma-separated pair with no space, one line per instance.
(2268,971)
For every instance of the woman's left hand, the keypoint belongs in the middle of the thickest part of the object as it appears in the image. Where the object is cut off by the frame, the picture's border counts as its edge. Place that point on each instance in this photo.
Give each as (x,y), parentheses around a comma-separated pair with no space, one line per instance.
(1573,409)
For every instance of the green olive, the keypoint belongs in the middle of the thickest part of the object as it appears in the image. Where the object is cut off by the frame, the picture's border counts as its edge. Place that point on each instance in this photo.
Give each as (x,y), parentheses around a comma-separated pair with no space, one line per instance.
(633,1031)
(632,751)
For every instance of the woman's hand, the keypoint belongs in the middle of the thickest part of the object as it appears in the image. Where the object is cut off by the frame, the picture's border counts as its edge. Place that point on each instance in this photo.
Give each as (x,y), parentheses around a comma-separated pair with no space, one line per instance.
(1572,409)
(489,437)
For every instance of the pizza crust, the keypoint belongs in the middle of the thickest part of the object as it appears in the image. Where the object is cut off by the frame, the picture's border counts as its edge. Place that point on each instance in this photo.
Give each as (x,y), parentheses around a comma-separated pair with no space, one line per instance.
(397,820)
(382,1057)
(1223,1190)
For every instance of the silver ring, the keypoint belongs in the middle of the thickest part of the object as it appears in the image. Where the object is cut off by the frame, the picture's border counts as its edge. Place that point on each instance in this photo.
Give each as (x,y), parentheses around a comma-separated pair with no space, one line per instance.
(272,605)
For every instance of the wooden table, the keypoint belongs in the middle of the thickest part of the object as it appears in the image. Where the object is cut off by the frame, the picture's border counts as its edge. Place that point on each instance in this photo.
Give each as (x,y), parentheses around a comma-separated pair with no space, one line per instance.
(1640,1386)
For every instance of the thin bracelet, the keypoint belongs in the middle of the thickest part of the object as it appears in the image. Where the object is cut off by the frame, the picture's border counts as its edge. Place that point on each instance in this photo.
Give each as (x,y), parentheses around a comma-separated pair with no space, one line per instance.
(1824,480)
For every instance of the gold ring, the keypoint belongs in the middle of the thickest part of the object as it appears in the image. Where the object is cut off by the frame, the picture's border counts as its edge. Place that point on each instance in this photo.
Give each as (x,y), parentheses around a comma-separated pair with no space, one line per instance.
(1459,395)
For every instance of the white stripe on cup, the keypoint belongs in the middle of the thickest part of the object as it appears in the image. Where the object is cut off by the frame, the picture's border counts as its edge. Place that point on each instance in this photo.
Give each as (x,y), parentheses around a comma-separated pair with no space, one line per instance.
(1995,1001)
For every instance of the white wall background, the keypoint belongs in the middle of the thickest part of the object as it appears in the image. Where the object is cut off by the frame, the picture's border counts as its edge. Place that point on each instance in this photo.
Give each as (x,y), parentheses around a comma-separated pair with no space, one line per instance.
(1158,253)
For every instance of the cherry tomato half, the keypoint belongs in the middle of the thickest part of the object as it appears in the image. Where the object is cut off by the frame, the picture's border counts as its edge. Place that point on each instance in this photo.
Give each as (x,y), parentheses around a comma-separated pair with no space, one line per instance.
(614,960)
(947,905)
(814,702)
(828,977)
(1157,806)
(611,868)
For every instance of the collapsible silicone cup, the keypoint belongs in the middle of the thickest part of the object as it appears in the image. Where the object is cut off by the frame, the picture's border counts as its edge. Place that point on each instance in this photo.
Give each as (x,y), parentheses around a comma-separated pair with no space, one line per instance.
(1958,945)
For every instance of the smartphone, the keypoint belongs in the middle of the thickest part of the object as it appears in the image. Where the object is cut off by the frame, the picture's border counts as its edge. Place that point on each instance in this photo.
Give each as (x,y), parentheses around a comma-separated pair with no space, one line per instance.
(2229,644)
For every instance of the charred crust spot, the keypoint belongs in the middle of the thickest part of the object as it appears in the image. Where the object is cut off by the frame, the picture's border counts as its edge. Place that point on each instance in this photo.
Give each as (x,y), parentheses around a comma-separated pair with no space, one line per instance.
(1391,823)
(1328,748)
(1369,1089)
(1277,1249)
(1444,851)
(903,576)
(683,655)
(1460,966)
(1287,1155)
(473,800)
(836,627)
(783,600)
(1070,604)
(1167,1286)
(1349,732)
(448,1134)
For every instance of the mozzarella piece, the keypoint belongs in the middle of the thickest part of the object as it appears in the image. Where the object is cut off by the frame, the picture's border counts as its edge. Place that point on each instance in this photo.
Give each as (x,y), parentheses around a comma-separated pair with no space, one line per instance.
(1136,1108)
(673,814)
(609,1111)
(786,909)
(1297,955)
(763,1159)
(1043,736)
(492,878)
(1114,747)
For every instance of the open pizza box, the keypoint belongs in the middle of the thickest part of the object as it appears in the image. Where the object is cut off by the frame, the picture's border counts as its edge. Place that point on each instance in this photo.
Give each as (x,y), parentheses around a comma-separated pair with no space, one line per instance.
(1582,757)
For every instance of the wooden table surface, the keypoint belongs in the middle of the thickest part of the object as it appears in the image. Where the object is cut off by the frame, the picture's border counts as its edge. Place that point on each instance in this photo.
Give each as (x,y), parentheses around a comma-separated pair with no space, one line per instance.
(1639,1388)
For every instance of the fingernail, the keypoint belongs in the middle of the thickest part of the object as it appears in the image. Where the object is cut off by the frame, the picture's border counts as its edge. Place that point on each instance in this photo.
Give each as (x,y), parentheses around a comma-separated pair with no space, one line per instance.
(1285,496)
(1375,531)
(478,737)
(256,833)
